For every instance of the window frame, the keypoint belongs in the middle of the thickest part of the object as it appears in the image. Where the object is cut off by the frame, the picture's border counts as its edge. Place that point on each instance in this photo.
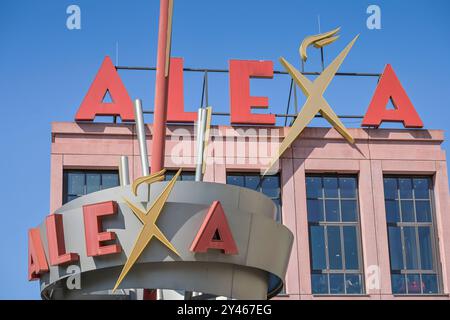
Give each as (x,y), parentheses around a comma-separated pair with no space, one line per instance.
(240,173)
(341,224)
(256,174)
(173,171)
(85,172)
(436,257)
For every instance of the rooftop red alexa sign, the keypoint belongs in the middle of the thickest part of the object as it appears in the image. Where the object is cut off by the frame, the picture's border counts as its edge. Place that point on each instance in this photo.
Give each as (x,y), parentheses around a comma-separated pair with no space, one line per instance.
(241,102)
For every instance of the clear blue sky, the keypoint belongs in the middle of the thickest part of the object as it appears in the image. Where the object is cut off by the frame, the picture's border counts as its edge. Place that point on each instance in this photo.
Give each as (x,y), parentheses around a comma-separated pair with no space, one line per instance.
(46,69)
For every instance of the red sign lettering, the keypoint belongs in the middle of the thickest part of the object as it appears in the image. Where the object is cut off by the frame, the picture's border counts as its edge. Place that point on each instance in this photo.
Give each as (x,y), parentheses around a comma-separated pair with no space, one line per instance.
(106,80)
(175,100)
(390,88)
(55,239)
(241,102)
(37,262)
(93,229)
(215,232)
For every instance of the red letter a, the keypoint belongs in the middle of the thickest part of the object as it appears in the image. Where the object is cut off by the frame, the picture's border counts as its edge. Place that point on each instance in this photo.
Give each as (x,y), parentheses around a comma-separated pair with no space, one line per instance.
(390,87)
(37,262)
(215,232)
(106,80)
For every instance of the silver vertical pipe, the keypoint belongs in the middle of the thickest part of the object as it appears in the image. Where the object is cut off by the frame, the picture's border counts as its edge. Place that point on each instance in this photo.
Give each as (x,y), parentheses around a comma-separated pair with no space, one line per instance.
(124,171)
(140,131)
(199,121)
(198,165)
(201,128)
(200,143)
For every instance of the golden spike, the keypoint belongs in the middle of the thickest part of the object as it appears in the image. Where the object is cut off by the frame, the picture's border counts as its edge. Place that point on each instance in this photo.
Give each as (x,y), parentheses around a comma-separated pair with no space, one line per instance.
(149,230)
(322,43)
(169,38)
(318,38)
(314,104)
(157,176)
(207,129)
(137,212)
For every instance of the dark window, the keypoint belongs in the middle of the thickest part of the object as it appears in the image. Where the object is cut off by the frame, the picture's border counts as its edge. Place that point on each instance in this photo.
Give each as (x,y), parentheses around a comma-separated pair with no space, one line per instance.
(270,186)
(334,233)
(412,243)
(184,175)
(77,183)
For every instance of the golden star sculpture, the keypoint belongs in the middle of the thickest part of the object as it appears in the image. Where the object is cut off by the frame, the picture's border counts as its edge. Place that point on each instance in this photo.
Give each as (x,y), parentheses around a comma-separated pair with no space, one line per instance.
(315,102)
(148,219)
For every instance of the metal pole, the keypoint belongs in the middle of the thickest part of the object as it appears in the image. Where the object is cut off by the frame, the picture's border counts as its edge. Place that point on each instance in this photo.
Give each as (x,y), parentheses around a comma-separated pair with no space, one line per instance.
(295,101)
(279,115)
(201,124)
(161,87)
(201,128)
(311,73)
(140,131)
(206,89)
(322,59)
(289,102)
(124,171)
(200,143)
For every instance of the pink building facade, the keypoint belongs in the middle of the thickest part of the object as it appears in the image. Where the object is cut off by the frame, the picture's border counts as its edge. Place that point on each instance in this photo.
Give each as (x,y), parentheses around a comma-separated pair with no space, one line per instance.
(377,154)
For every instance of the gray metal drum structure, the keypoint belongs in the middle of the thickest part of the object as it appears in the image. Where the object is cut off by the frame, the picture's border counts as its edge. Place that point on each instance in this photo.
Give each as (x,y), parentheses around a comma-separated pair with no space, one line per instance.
(264,246)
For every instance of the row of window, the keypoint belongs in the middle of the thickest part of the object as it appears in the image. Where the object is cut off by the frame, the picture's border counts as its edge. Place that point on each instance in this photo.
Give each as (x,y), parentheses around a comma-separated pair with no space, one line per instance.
(411,233)
(333,223)
(334,226)
(335,240)
(80,182)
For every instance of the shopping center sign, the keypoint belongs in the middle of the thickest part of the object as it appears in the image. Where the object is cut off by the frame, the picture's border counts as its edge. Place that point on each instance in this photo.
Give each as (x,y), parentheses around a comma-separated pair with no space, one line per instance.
(196,236)
(388,89)
(241,102)
(188,235)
